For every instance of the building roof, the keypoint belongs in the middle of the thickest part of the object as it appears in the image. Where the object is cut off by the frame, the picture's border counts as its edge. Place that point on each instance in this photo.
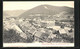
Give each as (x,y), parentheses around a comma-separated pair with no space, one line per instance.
(38,34)
(56,27)
(62,31)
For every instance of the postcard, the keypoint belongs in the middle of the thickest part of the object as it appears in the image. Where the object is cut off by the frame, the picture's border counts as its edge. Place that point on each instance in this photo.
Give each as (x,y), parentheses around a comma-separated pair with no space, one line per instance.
(38,24)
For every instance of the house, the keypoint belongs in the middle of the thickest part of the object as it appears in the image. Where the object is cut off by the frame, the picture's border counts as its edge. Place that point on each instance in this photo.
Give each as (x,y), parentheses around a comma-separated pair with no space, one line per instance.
(62,31)
(56,27)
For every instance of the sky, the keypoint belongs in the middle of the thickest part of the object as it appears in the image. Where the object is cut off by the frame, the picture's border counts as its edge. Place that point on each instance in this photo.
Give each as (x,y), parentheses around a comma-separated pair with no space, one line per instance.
(25,5)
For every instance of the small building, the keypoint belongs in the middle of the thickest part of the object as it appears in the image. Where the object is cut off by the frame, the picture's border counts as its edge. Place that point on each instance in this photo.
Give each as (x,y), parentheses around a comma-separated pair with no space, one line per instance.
(62,31)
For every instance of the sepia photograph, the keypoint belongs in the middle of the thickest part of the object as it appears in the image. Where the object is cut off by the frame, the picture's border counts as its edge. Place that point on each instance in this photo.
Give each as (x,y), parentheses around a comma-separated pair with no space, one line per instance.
(38,24)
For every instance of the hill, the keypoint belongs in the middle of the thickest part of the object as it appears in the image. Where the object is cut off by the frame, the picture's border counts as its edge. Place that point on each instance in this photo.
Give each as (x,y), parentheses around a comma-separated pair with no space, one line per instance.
(45,10)
(13,13)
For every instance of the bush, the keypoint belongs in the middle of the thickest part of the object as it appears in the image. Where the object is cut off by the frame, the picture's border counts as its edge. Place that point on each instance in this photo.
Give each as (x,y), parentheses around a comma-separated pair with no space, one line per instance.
(11,36)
